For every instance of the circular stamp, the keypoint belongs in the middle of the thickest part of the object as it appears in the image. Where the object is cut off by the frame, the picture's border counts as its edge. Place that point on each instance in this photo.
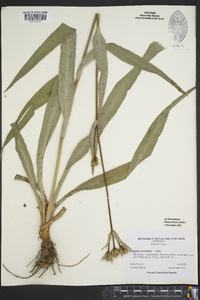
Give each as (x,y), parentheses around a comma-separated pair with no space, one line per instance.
(178,26)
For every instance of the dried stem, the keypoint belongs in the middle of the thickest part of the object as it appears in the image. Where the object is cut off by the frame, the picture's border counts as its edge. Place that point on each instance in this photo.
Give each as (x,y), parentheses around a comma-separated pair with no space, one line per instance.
(98,138)
(100,150)
(87,44)
(53,199)
(51,202)
(55,218)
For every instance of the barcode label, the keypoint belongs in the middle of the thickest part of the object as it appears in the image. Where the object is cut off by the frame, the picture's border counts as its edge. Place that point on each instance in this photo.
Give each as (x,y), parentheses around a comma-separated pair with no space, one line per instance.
(35,16)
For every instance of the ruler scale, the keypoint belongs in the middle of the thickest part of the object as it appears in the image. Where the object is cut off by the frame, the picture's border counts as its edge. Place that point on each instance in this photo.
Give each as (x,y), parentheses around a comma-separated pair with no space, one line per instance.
(138,292)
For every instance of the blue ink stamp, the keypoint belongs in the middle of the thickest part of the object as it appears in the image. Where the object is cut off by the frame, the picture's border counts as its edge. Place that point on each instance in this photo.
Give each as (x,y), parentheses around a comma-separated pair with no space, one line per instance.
(178,26)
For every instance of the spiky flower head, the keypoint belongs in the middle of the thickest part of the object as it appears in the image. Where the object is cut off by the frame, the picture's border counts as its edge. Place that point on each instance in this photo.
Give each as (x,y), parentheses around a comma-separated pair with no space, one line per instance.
(114,253)
(107,256)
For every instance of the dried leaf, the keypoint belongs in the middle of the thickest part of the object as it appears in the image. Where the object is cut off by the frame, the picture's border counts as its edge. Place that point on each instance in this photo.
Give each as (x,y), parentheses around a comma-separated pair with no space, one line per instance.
(116,97)
(109,109)
(24,155)
(113,176)
(100,53)
(25,179)
(57,37)
(39,99)
(143,151)
(79,152)
(151,137)
(21,178)
(153,49)
(86,61)
(66,77)
(137,61)
(51,117)
(119,92)
(93,145)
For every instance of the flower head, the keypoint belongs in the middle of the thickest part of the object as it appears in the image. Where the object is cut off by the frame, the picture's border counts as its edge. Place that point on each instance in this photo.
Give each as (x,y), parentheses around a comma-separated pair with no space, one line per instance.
(123,250)
(114,253)
(94,161)
(107,256)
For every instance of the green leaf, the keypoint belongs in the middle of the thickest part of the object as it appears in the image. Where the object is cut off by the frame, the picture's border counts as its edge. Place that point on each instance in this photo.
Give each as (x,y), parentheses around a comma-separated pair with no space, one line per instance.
(116,97)
(79,152)
(100,53)
(143,151)
(153,49)
(137,61)
(38,100)
(66,77)
(56,38)
(113,176)
(119,92)
(109,109)
(25,179)
(25,158)
(151,137)
(112,104)
(50,120)
(86,61)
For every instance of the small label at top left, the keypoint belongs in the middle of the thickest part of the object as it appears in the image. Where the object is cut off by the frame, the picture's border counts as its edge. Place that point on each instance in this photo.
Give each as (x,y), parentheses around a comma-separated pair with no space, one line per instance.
(35,16)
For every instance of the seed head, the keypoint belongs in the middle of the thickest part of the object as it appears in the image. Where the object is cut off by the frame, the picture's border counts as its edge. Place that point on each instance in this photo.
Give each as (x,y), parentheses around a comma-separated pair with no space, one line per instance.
(107,256)
(123,250)
(114,253)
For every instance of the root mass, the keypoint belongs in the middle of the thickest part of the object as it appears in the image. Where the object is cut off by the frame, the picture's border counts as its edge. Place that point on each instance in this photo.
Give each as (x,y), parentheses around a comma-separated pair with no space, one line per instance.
(46,258)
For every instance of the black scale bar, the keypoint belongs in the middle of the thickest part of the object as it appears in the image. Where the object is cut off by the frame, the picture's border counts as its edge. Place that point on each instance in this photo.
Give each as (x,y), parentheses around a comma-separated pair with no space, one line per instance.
(138,292)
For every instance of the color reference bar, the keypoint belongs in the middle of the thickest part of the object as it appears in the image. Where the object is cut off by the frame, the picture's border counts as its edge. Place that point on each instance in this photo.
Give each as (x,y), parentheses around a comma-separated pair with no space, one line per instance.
(192,293)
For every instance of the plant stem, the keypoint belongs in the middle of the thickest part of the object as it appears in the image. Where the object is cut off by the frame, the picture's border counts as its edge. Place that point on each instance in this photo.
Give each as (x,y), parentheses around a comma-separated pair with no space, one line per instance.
(57,190)
(100,151)
(55,218)
(54,191)
(51,204)
(98,138)
(87,44)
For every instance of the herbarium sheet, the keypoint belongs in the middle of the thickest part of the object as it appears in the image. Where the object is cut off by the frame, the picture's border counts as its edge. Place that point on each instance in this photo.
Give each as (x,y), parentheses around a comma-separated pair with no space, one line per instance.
(99,145)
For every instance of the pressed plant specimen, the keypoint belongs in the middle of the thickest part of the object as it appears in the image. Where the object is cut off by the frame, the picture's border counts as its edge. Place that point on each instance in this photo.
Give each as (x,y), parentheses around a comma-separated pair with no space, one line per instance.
(58,96)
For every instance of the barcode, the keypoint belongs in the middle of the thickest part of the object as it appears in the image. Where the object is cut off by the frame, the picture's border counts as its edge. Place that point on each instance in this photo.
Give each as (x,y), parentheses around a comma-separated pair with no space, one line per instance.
(35,17)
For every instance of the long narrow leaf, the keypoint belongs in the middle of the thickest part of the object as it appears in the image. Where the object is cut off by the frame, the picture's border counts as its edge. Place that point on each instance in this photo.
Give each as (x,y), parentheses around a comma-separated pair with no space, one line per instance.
(50,120)
(116,97)
(25,158)
(79,152)
(25,179)
(66,77)
(137,61)
(153,49)
(143,151)
(112,104)
(57,37)
(151,137)
(100,53)
(38,100)
(113,176)
(109,109)
(86,61)
(119,92)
